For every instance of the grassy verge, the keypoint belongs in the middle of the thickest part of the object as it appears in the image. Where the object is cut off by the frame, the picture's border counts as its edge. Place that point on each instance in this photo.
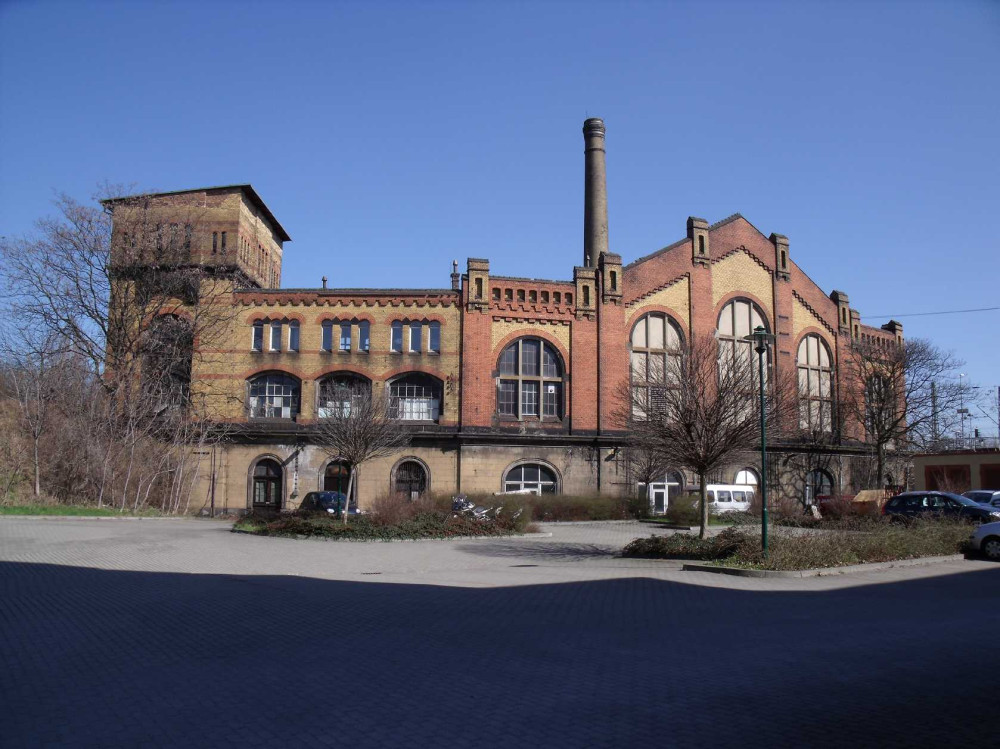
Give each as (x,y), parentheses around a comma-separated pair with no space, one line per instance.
(877,541)
(428,524)
(71,510)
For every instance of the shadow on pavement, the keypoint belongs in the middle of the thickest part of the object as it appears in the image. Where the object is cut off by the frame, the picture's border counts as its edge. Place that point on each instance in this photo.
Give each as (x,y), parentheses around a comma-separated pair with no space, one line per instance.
(107,658)
(540,550)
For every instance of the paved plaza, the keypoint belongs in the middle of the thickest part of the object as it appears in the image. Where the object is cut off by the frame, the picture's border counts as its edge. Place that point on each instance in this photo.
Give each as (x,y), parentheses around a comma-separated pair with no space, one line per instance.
(166,633)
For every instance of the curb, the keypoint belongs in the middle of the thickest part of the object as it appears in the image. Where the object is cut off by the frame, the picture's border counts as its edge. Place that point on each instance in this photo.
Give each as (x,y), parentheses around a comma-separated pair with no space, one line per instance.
(395,540)
(822,571)
(95,517)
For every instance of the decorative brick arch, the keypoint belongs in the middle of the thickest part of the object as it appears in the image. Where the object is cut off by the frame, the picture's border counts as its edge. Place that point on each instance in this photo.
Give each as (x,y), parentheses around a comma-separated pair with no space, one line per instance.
(531,333)
(743,296)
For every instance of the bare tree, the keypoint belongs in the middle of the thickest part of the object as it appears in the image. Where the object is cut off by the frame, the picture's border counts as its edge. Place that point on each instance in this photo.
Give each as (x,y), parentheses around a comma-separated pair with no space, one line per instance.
(706,410)
(903,396)
(118,286)
(357,426)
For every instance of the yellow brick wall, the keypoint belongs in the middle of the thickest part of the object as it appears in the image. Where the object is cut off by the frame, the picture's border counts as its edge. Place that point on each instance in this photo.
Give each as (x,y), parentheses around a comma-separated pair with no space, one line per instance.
(502,328)
(739,273)
(803,318)
(219,373)
(676,297)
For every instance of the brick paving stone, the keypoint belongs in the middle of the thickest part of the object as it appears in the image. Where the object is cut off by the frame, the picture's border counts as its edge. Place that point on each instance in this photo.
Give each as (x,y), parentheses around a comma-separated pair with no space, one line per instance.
(178,633)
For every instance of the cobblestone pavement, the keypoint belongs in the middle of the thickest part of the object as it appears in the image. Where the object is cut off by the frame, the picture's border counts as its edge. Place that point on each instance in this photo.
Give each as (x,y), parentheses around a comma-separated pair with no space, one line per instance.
(178,633)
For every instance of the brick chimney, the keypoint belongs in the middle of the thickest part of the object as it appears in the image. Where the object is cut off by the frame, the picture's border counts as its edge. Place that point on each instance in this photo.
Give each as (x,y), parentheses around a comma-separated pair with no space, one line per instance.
(595,200)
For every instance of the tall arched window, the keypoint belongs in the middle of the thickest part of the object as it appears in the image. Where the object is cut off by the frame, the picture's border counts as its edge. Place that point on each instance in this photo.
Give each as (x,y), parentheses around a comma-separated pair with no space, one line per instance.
(273,396)
(531,477)
(656,344)
(337,393)
(266,491)
(410,479)
(738,320)
(167,351)
(819,484)
(530,384)
(815,385)
(747,477)
(415,397)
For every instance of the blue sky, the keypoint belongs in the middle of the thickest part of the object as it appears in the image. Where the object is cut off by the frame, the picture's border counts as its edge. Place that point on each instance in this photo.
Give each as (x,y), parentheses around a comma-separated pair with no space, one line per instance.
(391,138)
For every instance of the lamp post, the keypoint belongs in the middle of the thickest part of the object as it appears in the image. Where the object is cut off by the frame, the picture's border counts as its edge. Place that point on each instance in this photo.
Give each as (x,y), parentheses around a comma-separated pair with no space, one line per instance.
(762,339)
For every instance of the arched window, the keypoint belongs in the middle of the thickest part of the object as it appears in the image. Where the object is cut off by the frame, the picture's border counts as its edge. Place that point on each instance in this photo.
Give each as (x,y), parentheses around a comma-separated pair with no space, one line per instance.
(531,477)
(738,319)
(410,479)
(656,344)
(415,397)
(819,484)
(747,477)
(530,383)
(274,396)
(337,393)
(266,491)
(815,385)
(336,478)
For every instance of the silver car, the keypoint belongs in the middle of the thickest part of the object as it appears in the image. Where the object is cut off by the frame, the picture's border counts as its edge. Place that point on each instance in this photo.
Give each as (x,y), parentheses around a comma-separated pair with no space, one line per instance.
(986,540)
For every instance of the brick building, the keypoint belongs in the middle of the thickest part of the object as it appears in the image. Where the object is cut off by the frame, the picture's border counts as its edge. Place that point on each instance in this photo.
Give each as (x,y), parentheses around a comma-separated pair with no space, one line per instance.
(504,383)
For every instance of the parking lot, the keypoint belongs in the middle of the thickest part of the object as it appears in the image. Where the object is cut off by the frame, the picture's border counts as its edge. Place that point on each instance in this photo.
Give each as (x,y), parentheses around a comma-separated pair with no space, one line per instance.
(177,632)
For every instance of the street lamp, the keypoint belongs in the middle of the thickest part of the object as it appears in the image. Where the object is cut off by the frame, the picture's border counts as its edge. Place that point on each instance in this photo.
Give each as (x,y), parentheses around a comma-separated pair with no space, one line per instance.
(762,339)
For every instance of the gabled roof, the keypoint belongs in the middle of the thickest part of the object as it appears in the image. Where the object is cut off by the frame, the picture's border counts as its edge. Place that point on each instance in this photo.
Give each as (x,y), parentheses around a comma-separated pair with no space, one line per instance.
(247,190)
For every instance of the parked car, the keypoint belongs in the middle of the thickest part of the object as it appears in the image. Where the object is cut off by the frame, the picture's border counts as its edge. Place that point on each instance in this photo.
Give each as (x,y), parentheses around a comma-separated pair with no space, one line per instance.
(984,496)
(938,504)
(331,502)
(986,540)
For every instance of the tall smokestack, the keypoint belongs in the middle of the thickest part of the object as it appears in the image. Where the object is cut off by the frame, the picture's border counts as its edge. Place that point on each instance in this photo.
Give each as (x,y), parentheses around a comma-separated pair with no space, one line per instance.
(595,200)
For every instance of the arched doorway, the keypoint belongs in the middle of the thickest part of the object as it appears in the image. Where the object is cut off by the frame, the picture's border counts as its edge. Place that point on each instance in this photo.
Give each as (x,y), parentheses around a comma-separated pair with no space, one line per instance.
(337,476)
(267,490)
(410,479)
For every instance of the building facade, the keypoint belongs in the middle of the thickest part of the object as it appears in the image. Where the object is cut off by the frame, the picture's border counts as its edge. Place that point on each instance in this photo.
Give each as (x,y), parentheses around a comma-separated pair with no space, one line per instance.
(504,383)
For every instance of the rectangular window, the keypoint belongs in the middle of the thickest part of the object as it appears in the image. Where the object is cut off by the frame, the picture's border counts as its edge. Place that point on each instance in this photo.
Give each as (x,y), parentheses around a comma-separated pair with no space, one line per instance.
(550,366)
(187,236)
(223,243)
(364,336)
(416,331)
(529,399)
(529,353)
(276,336)
(507,398)
(345,336)
(293,336)
(258,336)
(215,242)
(434,344)
(552,399)
(397,337)
(327,335)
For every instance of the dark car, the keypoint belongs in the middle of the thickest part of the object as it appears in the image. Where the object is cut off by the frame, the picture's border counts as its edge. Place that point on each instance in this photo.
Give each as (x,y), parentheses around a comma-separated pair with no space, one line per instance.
(984,496)
(331,502)
(938,504)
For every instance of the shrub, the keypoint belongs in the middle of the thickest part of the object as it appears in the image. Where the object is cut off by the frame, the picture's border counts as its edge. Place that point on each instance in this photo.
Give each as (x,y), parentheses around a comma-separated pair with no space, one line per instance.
(411,523)
(857,541)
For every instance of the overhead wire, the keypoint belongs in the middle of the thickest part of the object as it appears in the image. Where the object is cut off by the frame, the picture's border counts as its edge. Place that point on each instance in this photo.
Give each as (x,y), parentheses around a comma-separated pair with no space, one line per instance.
(943,312)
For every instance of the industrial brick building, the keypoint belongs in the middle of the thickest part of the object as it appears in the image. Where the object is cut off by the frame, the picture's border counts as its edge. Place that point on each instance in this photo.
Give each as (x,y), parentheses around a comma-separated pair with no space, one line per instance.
(504,383)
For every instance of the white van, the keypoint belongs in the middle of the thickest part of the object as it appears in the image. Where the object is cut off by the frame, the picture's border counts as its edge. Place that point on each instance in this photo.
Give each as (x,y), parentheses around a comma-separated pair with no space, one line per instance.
(730,497)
